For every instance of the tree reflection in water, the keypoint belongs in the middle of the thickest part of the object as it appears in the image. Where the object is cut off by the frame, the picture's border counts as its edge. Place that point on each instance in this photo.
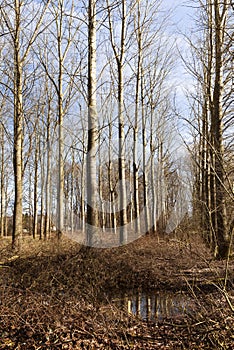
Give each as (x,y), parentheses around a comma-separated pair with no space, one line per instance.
(153,306)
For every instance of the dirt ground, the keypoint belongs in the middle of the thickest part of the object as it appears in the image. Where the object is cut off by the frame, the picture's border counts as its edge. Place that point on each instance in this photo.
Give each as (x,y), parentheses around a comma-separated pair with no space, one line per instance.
(58,295)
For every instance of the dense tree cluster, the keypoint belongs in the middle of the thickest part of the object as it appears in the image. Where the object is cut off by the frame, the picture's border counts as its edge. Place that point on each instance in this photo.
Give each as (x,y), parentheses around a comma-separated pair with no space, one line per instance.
(213,116)
(87,116)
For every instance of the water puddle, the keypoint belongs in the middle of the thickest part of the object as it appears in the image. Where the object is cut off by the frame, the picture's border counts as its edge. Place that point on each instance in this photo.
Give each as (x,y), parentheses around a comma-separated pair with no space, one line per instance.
(155,306)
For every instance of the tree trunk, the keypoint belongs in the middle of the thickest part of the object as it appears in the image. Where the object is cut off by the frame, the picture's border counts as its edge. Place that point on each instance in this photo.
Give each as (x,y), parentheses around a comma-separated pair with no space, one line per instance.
(122,161)
(20,56)
(145,170)
(119,54)
(61,56)
(18,131)
(135,130)
(152,177)
(112,205)
(48,177)
(35,202)
(42,207)
(3,211)
(122,179)
(91,170)
(217,131)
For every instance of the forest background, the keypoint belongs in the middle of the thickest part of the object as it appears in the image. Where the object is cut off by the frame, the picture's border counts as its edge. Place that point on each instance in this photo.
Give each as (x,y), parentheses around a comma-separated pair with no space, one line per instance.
(115,123)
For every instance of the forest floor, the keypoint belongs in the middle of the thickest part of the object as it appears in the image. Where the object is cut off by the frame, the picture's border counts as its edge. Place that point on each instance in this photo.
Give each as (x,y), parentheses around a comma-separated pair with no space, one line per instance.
(61,295)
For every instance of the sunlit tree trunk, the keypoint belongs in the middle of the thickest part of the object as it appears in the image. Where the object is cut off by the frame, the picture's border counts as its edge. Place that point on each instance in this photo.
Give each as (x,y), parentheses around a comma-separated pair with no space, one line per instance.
(152,175)
(102,216)
(21,50)
(35,192)
(215,109)
(122,161)
(220,13)
(63,18)
(144,161)
(61,57)
(202,175)
(135,130)
(18,130)
(42,151)
(112,204)
(119,53)
(48,175)
(60,218)
(82,199)
(91,170)
(161,197)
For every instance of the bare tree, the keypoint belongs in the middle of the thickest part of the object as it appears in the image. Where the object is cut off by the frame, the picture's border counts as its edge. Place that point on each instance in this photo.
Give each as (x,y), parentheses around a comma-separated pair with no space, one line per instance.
(214,116)
(119,55)
(138,30)
(92,127)
(16,32)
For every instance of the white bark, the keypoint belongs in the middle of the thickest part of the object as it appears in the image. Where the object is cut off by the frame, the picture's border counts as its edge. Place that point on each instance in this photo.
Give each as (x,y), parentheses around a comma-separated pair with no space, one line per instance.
(92,128)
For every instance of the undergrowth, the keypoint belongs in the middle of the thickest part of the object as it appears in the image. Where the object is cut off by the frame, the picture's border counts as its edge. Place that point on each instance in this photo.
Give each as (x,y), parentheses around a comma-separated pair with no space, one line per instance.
(58,295)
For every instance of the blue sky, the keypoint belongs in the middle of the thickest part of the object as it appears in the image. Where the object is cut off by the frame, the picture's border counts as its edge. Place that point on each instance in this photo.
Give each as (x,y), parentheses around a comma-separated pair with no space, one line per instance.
(183,13)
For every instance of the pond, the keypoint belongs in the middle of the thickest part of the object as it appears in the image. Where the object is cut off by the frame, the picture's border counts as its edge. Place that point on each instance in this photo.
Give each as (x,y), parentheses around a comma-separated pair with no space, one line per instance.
(156,305)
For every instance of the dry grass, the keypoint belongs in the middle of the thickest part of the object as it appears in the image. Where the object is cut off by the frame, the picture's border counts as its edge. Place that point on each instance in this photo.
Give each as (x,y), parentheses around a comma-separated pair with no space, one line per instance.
(57,295)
